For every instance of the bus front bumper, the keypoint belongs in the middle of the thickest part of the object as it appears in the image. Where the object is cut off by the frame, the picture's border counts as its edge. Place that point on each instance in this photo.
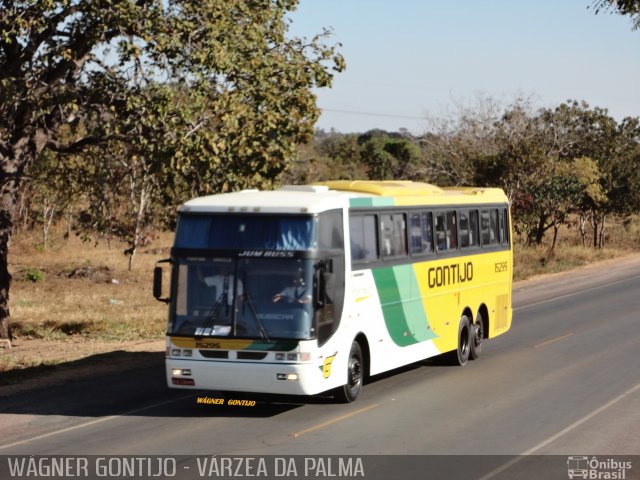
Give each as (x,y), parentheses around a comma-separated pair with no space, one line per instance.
(285,378)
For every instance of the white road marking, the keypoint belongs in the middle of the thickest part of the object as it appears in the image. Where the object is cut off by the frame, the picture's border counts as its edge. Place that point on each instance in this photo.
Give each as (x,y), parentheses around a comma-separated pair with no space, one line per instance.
(562,432)
(92,422)
(571,294)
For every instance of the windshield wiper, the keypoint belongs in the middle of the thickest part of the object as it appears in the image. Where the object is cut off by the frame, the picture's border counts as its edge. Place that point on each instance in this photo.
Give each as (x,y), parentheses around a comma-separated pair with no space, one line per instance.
(213,314)
(260,326)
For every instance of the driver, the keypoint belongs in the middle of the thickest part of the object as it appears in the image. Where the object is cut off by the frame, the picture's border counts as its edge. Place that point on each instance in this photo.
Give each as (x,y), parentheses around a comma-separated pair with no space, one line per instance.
(297,292)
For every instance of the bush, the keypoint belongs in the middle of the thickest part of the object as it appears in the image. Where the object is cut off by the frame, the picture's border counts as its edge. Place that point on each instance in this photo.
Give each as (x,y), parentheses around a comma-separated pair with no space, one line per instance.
(34,275)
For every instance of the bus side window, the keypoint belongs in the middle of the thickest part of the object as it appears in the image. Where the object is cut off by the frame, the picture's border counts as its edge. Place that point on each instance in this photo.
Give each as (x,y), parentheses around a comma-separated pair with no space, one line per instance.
(420,233)
(464,229)
(330,231)
(490,227)
(415,233)
(504,226)
(474,235)
(364,239)
(441,234)
(331,243)
(484,227)
(495,233)
(427,234)
(452,230)
(393,234)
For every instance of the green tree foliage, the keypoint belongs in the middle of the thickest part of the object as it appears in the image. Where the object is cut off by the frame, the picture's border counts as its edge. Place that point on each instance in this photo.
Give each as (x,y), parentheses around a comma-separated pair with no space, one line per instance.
(209,94)
(591,132)
(331,156)
(389,156)
(375,155)
(381,164)
(630,8)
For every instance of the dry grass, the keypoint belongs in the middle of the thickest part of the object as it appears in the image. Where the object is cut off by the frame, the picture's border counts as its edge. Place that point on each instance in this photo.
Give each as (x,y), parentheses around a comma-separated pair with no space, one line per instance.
(80,298)
(84,290)
(622,238)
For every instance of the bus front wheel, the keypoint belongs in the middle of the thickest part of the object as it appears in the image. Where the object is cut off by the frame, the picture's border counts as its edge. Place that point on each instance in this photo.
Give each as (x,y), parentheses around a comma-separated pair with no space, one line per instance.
(460,356)
(355,375)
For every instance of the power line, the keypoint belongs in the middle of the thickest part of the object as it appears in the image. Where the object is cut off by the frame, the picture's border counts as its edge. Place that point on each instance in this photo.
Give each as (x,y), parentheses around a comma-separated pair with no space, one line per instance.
(372,114)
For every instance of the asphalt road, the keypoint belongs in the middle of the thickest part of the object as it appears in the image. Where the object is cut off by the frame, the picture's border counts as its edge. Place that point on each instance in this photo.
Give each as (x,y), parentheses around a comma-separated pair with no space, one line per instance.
(564,380)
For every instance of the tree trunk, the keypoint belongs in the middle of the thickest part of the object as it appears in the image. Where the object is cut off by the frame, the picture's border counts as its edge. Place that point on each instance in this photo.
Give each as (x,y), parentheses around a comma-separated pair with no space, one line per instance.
(5,277)
(540,230)
(10,175)
(140,220)
(12,166)
(555,237)
(69,222)
(47,219)
(583,230)
(601,236)
(596,230)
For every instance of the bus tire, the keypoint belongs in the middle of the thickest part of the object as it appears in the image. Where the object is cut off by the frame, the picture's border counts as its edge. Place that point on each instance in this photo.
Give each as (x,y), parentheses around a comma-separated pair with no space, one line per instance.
(460,356)
(355,376)
(477,336)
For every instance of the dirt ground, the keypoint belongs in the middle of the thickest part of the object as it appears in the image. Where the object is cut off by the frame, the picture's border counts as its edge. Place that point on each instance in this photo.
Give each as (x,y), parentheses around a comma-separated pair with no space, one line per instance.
(68,356)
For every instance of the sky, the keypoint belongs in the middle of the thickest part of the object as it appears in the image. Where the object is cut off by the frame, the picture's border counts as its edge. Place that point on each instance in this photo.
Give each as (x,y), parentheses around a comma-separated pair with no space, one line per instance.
(409,61)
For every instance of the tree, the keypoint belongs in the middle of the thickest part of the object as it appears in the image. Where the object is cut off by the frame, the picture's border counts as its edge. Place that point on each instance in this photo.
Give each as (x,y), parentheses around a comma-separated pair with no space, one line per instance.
(464,137)
(212,91)
(593,133)
(331,156)
(630,8)
(389,156)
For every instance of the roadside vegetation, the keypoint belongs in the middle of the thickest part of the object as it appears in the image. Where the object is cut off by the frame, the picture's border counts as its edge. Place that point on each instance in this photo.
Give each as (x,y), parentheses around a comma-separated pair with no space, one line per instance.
(85,290)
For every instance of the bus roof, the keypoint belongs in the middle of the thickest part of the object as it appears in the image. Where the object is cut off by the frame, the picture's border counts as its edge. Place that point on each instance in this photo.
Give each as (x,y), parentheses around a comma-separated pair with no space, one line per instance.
(405,192)
(288,199)
(335,194)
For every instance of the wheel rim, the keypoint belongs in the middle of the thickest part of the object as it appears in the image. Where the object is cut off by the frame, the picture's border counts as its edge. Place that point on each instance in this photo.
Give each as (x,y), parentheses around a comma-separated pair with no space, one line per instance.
(478,333)
(464,342)
(355,373)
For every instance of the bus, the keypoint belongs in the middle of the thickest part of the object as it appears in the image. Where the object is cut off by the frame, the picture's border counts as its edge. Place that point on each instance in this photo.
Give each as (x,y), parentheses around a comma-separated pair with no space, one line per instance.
(310,289)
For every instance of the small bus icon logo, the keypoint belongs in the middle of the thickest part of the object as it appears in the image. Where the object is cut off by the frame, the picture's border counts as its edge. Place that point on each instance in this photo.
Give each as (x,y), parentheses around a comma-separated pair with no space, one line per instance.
(578,467)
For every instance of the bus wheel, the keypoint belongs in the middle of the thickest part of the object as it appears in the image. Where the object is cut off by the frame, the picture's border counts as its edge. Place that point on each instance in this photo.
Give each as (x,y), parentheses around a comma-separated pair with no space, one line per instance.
(477,336)
(460,356)
(355,375)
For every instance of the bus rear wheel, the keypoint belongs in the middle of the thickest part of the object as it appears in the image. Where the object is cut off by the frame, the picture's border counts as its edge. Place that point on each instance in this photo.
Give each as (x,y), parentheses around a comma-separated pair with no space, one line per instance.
(460,356)
(355,376)
(477,336)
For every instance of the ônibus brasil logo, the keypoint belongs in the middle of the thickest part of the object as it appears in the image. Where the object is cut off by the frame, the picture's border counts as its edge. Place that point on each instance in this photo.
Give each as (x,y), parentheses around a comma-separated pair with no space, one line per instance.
(594,468)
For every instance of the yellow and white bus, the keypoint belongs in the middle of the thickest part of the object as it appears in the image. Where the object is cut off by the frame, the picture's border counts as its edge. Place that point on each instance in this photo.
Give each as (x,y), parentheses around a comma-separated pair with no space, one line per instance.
(310,289)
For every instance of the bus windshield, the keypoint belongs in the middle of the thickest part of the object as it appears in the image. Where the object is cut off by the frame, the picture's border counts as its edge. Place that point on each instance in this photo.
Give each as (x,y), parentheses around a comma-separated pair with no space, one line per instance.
(245,231)
(253,298)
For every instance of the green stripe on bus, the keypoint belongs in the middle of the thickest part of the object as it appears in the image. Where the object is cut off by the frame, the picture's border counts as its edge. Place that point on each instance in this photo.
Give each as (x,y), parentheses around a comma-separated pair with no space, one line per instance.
(372,202)
(276,345)
(402,307)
